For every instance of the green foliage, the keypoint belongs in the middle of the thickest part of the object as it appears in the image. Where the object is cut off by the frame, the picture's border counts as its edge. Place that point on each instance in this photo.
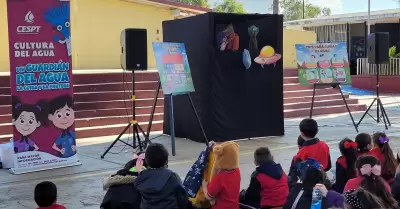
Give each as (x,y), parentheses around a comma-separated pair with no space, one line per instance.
(202,3)
(230,6)
(293,10)
(393,52)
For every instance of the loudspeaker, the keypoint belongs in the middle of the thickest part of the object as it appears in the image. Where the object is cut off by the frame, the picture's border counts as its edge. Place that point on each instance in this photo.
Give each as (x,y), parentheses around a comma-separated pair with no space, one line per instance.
(378,48)
(134,49)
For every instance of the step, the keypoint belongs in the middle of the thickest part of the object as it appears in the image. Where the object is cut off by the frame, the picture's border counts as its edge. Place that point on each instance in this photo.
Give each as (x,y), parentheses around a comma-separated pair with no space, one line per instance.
(98,131)
(316,98)
(115,77)
(305,112)
(303,93)
(104,96)
(298,87)
(323,103)
(6,128)
(291,72)
(287,80)
(101,113)
(6,109)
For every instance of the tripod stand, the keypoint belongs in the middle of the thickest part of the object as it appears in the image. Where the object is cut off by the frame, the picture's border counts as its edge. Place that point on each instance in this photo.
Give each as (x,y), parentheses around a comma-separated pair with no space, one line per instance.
(379,105)
(136,127)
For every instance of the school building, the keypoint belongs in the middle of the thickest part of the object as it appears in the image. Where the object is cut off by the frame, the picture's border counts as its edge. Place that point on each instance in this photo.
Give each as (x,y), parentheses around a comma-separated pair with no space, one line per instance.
(352,29)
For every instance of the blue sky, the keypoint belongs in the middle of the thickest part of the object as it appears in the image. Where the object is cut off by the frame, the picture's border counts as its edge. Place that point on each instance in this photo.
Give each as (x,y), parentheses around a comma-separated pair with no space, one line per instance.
(337,6)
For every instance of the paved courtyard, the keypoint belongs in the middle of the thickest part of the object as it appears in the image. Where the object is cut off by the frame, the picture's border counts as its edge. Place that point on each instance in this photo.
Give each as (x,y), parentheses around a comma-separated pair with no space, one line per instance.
(81,186)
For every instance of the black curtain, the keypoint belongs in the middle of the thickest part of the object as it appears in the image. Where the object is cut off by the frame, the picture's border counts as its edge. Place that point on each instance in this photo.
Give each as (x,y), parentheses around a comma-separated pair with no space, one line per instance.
(232,102)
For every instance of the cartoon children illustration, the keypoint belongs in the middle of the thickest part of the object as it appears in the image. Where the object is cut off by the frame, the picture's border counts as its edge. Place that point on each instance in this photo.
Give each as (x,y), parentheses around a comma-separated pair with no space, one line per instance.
(26,118)
(313,60)
(61,114)
(58,16)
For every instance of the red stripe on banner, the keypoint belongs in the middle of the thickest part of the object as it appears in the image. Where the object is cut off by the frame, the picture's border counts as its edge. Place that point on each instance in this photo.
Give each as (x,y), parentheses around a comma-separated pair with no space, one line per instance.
(172,59)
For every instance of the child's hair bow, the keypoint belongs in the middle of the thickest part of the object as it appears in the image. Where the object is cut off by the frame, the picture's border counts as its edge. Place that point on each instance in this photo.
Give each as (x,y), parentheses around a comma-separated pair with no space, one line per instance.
(139,163)
(348,145)
(383,140)
(367,170)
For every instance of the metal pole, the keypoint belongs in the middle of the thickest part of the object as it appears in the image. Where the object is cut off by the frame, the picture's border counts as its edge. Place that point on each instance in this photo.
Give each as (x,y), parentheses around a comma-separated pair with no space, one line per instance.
(304,8)
(369,17)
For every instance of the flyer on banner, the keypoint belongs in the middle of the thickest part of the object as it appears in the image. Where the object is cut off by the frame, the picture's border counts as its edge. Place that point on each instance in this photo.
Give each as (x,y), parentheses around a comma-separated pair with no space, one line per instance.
(323,63)
(43,115)
(173,68)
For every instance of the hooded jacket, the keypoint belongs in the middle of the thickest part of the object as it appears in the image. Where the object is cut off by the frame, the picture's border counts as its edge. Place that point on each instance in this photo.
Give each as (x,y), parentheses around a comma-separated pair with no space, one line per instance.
(161,188)
(268,187)
(121,191)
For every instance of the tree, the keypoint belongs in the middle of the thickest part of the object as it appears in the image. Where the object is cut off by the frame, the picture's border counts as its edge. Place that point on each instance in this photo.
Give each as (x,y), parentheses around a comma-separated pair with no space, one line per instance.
(293,10)
(202,3)
(230,6)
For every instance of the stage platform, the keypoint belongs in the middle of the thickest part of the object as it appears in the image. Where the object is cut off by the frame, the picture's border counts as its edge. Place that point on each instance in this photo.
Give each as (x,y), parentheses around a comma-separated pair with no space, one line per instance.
(87,180)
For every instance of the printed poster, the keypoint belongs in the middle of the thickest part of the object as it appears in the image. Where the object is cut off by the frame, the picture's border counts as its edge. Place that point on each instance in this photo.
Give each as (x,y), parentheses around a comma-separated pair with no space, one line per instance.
(323,63)
(173,68)
(43,115)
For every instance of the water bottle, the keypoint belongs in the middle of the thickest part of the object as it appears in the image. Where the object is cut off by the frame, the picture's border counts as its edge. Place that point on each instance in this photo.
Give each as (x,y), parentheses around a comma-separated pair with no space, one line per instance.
(316,202)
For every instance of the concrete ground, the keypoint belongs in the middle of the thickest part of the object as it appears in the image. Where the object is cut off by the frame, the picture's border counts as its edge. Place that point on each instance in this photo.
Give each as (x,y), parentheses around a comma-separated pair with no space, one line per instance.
(81,186)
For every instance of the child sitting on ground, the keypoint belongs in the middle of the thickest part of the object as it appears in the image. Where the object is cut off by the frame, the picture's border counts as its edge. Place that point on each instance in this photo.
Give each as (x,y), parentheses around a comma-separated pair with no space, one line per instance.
(300,195)
(159,187)
(364,146)
(121,190)
(224,188)
(268,184)
(370,180)
(345,164)
(46,196)
(368,173)
(384,153)
(312,148)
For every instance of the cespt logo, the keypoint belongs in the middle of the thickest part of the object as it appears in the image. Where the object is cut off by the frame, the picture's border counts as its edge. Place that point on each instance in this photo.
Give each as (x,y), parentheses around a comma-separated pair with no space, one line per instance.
(28,29)
(29,18)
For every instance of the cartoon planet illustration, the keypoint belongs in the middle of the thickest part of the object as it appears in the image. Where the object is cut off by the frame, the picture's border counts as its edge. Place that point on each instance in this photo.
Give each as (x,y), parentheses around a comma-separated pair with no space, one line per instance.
(267,56)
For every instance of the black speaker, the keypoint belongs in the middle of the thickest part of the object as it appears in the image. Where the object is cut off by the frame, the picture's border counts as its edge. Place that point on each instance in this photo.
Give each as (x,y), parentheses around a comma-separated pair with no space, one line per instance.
(134,49)
(378,48)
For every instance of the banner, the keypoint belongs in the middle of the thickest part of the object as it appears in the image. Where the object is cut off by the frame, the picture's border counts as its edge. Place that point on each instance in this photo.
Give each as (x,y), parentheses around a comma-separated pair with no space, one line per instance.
(41,84)
(173,68)
(323,63)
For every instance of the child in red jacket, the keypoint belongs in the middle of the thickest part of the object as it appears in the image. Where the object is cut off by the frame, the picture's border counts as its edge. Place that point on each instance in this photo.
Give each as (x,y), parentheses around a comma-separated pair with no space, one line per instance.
(345,164)
(312,148)
(364,146)
(268,185)
(368,171)
(46,196)
(384,153)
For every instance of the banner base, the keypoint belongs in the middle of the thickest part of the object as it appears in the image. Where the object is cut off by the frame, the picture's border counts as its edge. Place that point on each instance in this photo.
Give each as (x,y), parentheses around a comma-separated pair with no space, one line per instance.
(50,167)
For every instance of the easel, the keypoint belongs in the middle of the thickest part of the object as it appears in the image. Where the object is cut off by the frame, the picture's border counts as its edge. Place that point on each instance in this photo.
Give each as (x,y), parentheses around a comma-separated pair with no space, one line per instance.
(171,116)
(136,127)
(334,85)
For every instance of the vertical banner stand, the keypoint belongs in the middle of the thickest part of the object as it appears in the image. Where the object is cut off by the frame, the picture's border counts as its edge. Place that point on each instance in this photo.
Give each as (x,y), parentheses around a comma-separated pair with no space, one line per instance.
(334,85)
(136,127)
(171,117)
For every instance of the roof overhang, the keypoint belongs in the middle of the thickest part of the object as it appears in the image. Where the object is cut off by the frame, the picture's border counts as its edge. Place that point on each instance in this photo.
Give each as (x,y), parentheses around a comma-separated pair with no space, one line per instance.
(382,16)
(184,8)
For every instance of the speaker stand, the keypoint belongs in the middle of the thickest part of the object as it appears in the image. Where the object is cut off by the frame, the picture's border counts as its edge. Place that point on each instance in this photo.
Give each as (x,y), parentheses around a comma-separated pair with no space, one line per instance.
(379,106)
(136,128)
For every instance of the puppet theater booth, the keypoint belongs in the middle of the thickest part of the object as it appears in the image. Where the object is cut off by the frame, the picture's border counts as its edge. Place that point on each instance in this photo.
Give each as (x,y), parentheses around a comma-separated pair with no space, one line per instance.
(233,101)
